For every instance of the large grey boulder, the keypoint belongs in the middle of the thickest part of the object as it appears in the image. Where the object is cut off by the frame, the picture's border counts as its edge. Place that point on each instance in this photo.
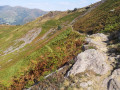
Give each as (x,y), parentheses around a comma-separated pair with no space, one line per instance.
(90,60)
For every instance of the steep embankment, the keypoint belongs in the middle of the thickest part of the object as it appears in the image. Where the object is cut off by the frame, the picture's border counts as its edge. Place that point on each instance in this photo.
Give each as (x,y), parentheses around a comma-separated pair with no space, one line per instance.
(30,51)
(49,42)
(92,69)
(98,66)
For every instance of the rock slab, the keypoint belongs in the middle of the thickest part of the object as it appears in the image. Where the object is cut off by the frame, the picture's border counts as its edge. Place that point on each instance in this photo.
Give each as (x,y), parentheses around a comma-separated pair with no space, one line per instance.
(90,60)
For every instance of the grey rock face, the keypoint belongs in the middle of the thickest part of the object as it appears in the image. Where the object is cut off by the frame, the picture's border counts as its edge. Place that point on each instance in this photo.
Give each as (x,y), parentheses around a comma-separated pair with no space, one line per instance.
(112,10)
(90,60)
(86,84)
(113,81)
(113,85)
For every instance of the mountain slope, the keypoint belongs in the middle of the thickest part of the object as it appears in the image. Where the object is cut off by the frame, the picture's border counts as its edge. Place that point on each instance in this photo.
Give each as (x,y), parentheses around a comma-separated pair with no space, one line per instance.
(31,51)
(97,67)
(105,18)
(18,15)
(41,42)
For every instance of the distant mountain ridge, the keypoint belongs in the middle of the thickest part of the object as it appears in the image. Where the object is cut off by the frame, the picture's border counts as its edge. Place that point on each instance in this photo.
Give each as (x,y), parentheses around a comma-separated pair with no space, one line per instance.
(18,15)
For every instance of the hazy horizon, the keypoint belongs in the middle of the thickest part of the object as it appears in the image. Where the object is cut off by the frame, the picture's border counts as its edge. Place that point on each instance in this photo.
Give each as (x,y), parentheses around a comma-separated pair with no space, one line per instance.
(47,5)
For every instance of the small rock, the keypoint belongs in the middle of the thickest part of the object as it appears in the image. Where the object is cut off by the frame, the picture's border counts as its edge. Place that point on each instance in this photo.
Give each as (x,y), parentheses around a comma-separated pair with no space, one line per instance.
(84,85)
(112,10)
(10,60)
(90,82)
(85,47)
(118,56)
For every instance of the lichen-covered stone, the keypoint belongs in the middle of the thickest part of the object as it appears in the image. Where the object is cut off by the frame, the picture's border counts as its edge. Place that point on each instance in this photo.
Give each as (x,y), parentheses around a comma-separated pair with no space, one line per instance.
(90,60)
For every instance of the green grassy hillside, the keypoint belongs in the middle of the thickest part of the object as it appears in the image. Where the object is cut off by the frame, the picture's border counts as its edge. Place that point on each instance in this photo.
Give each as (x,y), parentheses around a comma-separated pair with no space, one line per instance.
(105,18)
(30,51)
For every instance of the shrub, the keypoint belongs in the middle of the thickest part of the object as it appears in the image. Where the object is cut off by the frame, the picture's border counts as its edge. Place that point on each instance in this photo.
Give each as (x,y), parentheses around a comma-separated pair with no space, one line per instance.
(59,27)
(75,9)
(69,11)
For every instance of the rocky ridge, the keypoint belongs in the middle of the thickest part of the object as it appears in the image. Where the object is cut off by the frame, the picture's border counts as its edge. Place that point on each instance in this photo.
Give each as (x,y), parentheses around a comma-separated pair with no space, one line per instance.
(94,59)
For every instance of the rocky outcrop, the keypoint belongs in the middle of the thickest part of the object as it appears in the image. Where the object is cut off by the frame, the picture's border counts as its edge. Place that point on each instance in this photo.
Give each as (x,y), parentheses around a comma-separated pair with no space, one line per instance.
(90,60)
(95,58)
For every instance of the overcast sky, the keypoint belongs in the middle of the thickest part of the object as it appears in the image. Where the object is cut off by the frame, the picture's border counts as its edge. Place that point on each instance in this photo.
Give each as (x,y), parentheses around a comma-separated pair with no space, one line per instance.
(49,5)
